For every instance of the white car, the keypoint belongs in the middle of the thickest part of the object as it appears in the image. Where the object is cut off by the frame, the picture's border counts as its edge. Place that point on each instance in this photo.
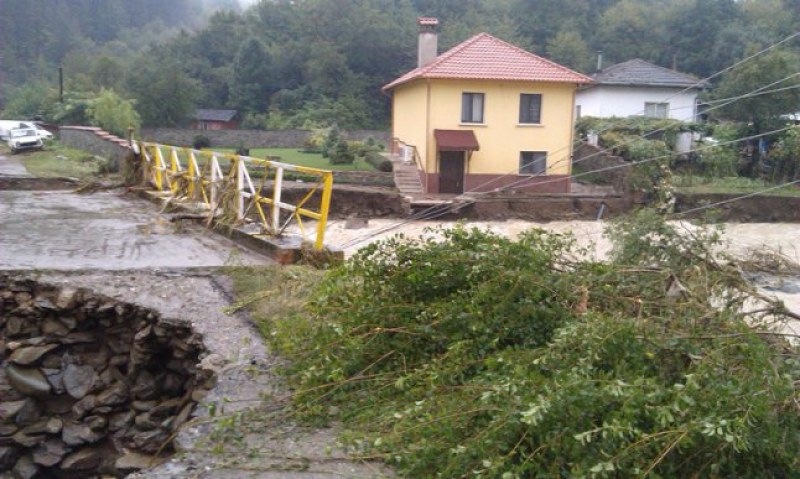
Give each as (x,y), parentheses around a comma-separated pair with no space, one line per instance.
(24,139)
(43,134)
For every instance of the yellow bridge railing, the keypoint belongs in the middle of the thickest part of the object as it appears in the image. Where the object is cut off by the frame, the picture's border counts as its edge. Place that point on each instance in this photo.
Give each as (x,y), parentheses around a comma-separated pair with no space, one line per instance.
(237,189)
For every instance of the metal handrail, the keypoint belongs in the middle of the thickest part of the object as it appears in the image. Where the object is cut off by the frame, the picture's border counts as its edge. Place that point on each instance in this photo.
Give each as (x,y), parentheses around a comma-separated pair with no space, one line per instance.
(398,144)
(210,184)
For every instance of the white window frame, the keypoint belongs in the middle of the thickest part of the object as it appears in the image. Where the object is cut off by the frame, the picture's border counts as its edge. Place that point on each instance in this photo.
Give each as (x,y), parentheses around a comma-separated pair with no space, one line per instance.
(654,109)
(532,164)
(468,115)
(538,113)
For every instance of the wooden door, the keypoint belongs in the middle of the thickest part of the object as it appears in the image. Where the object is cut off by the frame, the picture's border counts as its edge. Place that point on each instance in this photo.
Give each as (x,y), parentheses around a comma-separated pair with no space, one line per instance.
(451,172)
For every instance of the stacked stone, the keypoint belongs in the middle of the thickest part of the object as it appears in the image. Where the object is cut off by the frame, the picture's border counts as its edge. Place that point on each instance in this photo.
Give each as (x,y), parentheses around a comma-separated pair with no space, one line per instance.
(88,383)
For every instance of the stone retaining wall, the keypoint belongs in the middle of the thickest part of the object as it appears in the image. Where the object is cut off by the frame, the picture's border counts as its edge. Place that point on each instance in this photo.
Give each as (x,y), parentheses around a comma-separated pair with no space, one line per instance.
(590,158)
(366,178)
(250,138)
(96,141)
(88,384)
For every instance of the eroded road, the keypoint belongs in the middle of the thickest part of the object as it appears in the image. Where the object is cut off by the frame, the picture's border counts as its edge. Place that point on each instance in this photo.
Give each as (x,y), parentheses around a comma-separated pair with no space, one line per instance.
(123,247)
(105,230)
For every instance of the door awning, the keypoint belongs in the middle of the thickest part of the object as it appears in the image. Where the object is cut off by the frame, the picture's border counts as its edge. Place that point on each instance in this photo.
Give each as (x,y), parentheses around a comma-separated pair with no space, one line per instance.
(456,140)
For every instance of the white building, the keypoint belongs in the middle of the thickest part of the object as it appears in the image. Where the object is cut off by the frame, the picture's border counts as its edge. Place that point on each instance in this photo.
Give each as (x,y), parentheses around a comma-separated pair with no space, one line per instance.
(639,88)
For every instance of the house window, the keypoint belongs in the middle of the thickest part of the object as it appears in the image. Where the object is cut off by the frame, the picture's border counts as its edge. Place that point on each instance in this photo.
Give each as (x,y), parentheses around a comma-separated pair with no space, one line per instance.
(472,108)
(656,110)
(532,162)
(530,108)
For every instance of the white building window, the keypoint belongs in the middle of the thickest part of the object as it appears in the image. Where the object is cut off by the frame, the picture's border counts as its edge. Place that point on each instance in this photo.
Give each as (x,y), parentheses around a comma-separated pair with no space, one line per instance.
(656,110)
(472,108)
(532,162)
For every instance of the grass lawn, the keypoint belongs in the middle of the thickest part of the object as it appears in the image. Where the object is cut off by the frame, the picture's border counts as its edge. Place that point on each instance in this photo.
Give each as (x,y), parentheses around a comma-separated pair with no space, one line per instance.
(59,161)
(297,157)
(730,185)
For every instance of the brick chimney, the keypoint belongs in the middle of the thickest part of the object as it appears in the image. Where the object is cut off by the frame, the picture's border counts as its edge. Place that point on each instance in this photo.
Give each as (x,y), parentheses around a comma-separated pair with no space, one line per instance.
(427,50)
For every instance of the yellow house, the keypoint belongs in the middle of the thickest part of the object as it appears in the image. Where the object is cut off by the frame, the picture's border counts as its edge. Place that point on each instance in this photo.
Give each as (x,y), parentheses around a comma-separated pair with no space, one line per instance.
(485,115)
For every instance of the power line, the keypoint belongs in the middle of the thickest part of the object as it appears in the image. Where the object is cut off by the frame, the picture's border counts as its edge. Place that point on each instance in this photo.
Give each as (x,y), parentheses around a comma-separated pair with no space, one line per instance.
(738,198)
(438,210)
(445,209)
(699,82)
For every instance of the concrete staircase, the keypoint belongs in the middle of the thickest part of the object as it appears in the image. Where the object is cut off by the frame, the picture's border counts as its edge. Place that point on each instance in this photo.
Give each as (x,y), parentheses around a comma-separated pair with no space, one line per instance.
(406,177)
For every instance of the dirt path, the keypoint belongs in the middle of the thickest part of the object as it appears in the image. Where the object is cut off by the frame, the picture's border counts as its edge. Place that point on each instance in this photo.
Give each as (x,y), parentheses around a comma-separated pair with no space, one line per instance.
(10,166)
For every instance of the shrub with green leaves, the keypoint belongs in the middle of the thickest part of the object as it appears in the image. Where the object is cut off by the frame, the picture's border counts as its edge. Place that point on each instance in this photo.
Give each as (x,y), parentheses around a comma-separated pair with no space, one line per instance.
(786,157)
(467,354)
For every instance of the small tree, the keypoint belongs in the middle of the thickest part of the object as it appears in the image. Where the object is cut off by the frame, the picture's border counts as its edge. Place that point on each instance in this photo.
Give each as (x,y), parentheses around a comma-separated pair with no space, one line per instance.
(342,154)
(113,113)
(331,142)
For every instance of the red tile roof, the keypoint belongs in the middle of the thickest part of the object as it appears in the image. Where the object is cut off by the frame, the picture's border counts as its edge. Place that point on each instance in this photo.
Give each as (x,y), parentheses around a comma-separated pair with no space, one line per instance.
(484,57)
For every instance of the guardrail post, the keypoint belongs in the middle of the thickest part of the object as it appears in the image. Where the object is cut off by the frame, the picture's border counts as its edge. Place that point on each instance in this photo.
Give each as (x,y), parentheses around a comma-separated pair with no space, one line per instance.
(145,164)
(276,199)
(192,174)
(325,204)
(175,168)
(159,166)
(239,189)
(214,182)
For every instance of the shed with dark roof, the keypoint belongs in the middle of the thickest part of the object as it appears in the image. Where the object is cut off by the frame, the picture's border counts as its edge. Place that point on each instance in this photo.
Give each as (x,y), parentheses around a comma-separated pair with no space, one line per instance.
(208,119)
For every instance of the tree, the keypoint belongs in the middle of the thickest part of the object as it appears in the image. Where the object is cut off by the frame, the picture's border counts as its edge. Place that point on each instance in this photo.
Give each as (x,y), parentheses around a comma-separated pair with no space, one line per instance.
(693,27)
(631,29)
(30,100)
(777,69)
(253,82)
(568,48)
(164,94)
(113,113)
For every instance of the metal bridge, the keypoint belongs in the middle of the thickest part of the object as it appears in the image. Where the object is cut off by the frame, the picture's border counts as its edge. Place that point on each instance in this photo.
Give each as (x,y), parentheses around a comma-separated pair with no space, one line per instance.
(236,189)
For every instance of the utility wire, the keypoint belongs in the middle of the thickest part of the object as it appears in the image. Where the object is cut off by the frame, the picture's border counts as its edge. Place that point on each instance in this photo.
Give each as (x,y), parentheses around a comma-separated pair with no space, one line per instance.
(738,198)
(699,82)
(438,210)
(695,85)
(453,208)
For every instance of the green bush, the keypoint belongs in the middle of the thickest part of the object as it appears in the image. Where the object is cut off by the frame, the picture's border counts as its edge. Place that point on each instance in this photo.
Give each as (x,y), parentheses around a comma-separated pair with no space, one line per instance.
(718,161)
(113,113)
(201,141)
(341,154)
(378,161)
(242,150)
(331,142)
(471,354)
(315,141)
(785,157)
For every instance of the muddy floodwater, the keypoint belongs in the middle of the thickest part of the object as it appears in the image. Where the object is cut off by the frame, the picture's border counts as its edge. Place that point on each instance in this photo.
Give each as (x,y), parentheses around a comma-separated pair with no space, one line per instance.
(739,239)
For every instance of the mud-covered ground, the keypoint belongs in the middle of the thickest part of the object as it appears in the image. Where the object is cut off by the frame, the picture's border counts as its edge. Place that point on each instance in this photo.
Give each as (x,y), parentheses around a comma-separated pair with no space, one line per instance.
(118,245)
(123,247)
(244,428)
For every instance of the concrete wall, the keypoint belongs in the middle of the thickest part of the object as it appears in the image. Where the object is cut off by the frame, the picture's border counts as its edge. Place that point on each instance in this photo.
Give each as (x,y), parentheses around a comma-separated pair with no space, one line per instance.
(605,101)
(96,141)
(250,138)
